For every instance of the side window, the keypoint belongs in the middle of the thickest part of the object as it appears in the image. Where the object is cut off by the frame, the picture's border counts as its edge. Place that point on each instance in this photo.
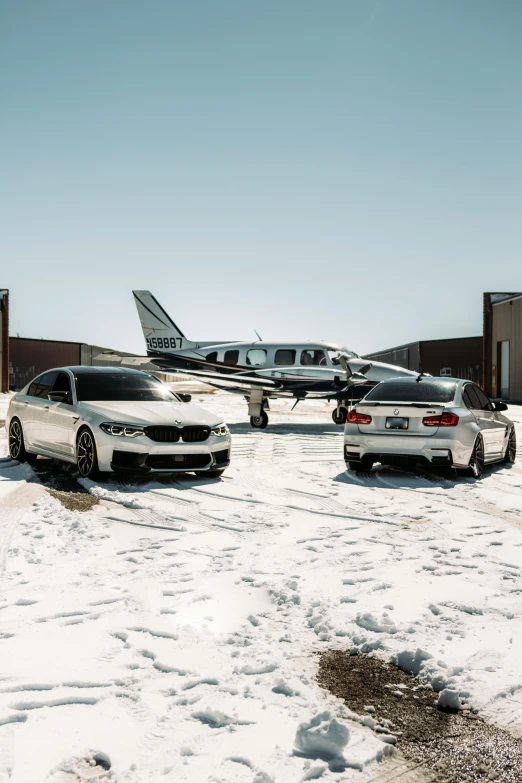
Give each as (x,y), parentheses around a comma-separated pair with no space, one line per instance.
(63,384)
(483,400)
(45,384)
(284,357)
(33,388)
(212,357)
(256,357)
(231,358)
(474,400)
(314,358)
(466,398)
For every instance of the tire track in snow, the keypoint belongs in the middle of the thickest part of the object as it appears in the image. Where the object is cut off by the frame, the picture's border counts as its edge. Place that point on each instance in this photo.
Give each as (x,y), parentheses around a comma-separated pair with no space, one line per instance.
(12,509)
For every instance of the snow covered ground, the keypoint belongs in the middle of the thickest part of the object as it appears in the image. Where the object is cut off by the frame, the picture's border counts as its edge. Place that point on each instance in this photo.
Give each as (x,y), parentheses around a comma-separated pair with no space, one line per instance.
(173,628)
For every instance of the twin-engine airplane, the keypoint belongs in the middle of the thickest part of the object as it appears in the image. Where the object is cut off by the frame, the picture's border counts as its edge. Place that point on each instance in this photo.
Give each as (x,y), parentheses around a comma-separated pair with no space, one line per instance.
(262,370)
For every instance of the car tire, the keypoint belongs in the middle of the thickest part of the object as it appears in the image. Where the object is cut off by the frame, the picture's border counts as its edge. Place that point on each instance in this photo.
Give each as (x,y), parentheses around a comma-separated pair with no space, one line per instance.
(341,416)
(211,473)
(476,461)
(259,422)
(17,444)
(511,448)
(86,454)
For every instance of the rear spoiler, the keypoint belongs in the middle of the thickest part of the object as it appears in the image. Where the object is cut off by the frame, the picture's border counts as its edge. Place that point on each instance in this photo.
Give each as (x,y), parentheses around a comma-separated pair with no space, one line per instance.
(409,404)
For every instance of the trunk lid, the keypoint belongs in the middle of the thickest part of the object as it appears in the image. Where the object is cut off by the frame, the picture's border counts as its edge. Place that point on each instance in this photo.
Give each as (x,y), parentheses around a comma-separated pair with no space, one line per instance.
(413,412)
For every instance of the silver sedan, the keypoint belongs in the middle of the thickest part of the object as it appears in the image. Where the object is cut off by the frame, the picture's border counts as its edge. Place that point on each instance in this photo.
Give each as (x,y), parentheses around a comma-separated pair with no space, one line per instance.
(427,421)
(106,419)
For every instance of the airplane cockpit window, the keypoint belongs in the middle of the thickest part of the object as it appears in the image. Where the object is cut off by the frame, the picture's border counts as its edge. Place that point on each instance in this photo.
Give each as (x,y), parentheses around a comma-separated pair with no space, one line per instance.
(334,352)
(313,358)
(212,357)
(256,357)
(231,358)
(284,357)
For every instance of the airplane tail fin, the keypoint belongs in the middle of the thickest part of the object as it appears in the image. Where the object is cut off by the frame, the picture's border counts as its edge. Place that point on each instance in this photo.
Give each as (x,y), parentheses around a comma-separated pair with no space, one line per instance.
(160,332)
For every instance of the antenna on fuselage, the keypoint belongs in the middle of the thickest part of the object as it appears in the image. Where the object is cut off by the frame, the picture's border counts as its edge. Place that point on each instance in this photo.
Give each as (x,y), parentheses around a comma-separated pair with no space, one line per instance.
(258,335)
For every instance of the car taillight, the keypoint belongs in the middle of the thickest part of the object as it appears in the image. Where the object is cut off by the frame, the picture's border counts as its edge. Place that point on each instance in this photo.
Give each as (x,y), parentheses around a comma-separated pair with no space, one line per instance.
(446,420)
(354,417)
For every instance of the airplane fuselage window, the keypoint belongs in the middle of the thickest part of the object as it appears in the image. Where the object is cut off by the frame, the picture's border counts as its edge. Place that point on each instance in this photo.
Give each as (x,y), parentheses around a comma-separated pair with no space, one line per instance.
(313,358)
(231,358)
(212,357)
(256,357)
(284,357)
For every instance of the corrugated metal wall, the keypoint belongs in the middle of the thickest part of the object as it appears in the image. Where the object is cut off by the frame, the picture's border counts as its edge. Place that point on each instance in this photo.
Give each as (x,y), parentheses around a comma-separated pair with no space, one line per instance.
(4,340)
(31,357)
(507,325)
(407,356)
(459,358)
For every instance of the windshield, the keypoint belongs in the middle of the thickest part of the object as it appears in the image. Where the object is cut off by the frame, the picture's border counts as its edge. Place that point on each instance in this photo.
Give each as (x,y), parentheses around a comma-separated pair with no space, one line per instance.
(120,387)
(423,391)
(334,352)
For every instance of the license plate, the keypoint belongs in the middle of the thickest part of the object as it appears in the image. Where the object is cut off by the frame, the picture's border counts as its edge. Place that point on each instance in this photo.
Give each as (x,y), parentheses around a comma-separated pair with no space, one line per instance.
(393,423)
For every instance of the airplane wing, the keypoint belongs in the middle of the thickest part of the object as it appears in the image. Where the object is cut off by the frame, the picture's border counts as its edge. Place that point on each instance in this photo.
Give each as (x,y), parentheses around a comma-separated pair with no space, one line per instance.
(223,381)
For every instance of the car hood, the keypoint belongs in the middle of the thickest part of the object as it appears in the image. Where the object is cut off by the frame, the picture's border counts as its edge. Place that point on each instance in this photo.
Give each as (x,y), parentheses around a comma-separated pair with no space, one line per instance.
(151,412)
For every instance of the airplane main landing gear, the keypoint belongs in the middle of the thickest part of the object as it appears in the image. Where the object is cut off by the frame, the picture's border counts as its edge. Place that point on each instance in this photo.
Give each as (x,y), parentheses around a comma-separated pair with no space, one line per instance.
(257,405)
(259,422)
(339,414)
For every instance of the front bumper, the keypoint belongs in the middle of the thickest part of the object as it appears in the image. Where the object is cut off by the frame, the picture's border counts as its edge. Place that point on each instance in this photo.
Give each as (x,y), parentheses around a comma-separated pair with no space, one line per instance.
(142,455)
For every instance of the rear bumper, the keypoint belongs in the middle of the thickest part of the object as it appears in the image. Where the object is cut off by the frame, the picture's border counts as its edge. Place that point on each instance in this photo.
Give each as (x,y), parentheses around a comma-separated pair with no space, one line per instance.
(408,451)
(443,459)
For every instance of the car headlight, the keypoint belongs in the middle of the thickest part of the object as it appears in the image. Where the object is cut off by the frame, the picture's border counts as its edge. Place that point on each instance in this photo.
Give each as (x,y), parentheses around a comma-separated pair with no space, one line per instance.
(124,430)
(219,429)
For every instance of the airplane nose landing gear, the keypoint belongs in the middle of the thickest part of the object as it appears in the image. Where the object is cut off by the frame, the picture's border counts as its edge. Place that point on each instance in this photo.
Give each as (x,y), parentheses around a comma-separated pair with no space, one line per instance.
(259,422)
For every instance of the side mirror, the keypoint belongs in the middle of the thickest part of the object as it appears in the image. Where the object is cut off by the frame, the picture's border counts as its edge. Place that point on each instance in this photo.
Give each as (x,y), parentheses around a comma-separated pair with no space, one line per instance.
(184,397)
(59,396)
(500,406)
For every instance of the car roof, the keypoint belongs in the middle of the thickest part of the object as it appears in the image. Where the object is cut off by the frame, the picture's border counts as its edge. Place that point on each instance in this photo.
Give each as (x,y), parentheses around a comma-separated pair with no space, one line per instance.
(83,369)
(425,378)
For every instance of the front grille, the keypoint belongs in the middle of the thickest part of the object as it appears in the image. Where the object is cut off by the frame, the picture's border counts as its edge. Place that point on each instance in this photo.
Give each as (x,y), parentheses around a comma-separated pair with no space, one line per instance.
(221,456)
(163,434)
(177,461)
(193,434)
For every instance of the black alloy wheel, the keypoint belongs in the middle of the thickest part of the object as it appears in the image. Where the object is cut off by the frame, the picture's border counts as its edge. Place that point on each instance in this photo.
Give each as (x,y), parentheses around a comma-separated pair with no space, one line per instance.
(340,415)
(86,458)
(17,444)
(476,462)
(511,450)
(259,422)
(16,441)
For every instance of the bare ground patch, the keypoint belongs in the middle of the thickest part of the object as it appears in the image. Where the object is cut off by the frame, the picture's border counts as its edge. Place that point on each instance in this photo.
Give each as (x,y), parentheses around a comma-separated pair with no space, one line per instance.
(459,747)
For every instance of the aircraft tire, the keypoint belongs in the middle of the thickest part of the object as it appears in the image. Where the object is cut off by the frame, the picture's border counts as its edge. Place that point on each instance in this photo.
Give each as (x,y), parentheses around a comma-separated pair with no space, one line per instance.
(259,422)
(341,417)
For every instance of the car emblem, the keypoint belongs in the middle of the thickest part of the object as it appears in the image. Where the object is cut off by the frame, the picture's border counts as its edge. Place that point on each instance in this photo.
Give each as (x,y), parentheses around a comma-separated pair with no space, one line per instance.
(396,411)
(177,422)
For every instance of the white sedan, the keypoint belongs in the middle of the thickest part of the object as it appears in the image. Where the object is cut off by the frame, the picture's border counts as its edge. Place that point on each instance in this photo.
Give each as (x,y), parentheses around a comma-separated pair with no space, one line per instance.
(427,421)
(106,419)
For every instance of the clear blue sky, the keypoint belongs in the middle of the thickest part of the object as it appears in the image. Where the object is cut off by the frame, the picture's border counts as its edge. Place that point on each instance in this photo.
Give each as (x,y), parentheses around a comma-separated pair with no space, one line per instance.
(347,169)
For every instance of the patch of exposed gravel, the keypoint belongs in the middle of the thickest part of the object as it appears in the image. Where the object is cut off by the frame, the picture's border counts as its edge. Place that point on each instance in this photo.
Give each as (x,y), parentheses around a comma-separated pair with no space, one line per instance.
(460,747)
